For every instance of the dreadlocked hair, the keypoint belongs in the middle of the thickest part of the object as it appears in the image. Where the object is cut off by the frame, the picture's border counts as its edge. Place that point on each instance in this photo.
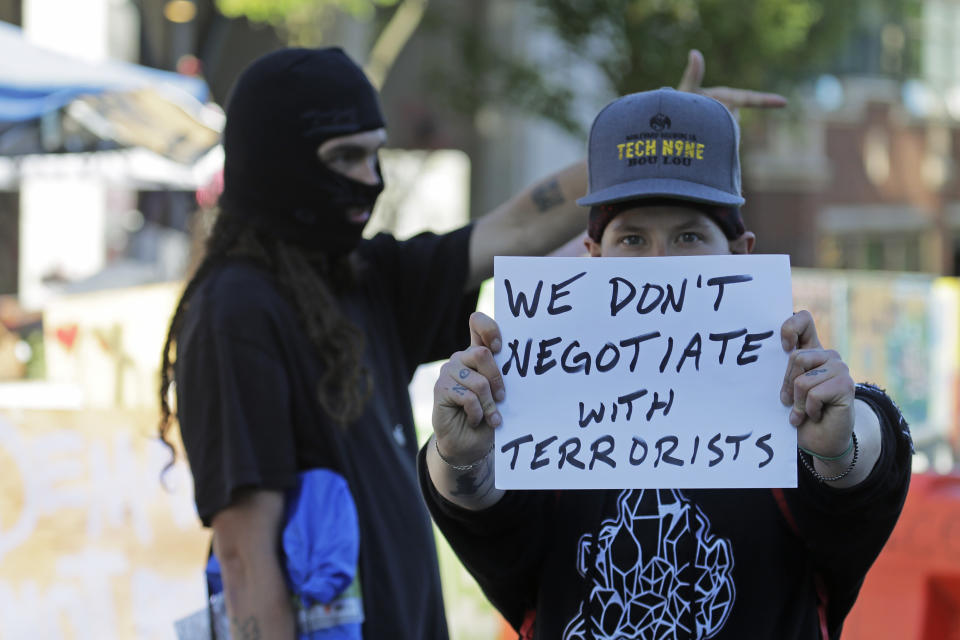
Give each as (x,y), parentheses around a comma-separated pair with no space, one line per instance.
(309,280)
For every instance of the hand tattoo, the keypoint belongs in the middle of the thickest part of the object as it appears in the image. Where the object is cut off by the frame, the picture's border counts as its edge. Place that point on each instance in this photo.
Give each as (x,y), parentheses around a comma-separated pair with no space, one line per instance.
(547,195)
(468,484)
(815,372)
(464,373)
(459,389)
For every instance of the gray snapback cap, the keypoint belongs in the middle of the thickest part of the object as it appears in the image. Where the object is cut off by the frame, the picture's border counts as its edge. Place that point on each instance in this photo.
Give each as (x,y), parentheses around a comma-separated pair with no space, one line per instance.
(664,143)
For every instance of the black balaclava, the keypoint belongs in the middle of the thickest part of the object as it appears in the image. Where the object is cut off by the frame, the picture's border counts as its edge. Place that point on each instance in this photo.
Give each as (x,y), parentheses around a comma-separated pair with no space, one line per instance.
(281,109)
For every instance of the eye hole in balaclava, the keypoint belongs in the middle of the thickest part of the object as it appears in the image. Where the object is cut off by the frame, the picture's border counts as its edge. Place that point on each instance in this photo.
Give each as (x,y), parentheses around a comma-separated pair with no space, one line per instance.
(282,108)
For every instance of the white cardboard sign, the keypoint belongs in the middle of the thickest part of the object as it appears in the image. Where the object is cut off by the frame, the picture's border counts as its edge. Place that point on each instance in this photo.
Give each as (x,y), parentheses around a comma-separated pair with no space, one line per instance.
(643,373)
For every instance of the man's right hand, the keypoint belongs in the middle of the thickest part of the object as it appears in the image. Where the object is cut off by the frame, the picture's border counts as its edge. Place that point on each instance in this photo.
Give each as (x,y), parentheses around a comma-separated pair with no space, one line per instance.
(732,99)
(465,396)
(246,541)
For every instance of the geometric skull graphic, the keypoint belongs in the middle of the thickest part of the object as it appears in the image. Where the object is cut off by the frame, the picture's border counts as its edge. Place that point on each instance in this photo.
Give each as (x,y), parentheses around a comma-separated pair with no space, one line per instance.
(680,588)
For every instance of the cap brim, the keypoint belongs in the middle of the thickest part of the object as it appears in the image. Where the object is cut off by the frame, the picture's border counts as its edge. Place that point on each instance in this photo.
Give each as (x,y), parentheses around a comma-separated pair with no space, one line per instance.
(660,188)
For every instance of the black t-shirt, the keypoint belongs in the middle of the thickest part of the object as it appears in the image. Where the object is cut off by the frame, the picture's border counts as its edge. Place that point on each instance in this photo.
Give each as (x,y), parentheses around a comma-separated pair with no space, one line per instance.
(683,564)
(247,398)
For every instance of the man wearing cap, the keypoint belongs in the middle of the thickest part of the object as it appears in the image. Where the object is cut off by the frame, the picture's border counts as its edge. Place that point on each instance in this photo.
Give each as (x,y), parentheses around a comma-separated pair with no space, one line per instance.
(664,180)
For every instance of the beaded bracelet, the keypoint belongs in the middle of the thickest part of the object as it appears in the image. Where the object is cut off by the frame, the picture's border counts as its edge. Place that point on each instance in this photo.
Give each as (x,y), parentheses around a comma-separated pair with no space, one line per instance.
(809,463)
(461,467)
(830,458)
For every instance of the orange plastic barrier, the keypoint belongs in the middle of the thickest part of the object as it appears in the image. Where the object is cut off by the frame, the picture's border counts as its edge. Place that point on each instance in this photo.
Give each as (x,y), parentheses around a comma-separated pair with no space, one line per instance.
(913,590)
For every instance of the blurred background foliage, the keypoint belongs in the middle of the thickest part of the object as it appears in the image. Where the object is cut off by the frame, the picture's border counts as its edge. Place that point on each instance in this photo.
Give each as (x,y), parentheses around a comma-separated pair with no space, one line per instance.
(279,11)
(765,44)
(300,21)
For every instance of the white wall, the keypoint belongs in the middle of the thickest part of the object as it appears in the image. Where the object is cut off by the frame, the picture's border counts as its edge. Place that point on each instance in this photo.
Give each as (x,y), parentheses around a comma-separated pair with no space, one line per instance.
(62,231)
(62,220)
(76,28)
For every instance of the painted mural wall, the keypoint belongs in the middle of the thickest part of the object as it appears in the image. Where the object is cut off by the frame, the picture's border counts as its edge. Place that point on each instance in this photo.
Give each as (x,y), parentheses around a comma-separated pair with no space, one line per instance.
(899,331)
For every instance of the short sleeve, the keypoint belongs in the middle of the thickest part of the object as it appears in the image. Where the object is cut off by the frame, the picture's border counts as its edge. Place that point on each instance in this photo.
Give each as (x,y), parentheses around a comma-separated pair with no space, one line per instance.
(234,405)
(425,279)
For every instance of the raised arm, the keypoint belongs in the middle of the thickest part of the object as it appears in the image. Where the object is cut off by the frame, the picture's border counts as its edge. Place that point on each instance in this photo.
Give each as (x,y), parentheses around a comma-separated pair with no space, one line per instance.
(534,222)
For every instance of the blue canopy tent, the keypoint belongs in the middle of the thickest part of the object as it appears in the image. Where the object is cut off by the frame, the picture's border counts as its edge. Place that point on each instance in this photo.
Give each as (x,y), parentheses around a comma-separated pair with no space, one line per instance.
(56,110)
(36,81)
(72,131)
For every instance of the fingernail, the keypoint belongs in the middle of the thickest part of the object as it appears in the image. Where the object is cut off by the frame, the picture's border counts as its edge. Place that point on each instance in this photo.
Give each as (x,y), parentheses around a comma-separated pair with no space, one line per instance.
(495,345)
(494,419)
(786,344)
(785,398)
(499,395)
(795,418)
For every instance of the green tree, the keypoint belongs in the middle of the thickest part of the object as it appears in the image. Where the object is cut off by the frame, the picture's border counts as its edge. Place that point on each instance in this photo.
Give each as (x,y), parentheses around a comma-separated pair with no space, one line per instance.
(303,22)
(640,44)
(280,12)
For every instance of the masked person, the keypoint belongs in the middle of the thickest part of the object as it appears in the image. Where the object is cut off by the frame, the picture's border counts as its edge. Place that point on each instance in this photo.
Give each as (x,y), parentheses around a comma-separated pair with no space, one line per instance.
(293,345)
(649,564)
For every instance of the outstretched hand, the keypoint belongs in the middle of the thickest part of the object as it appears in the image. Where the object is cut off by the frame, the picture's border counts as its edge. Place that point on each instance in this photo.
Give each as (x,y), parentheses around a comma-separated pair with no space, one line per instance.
(818,386)
(732,99)
(466,393)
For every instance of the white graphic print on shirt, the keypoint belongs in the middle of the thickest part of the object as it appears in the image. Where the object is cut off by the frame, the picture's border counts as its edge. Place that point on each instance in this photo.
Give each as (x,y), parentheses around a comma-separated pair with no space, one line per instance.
(682,588)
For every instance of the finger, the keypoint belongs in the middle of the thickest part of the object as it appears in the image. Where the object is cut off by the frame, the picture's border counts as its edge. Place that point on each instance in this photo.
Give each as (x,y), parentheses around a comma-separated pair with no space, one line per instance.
(692,76)
(465,380)
(484,331)
(829,391)
(481,360)
(447,395)
(745,98)
(803,405)
(799,332)
(799,363)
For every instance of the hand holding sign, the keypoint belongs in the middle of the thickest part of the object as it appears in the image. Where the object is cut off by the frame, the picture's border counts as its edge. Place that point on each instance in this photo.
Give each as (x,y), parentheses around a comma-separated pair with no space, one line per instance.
(465,395)
(818,386)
